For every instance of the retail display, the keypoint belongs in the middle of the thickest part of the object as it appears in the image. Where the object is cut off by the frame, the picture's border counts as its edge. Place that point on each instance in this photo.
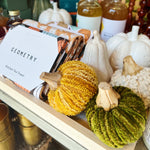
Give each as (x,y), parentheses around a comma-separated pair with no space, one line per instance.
(114,19)
(94,94)
(116,115)
(89,15)
(134,77)
(96,55)
(122,44)
(71,87)
(55,14)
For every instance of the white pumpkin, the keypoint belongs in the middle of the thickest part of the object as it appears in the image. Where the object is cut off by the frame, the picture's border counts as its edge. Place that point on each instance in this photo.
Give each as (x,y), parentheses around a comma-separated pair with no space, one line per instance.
(135,77)
(122,45)
(95,55)
(56,15)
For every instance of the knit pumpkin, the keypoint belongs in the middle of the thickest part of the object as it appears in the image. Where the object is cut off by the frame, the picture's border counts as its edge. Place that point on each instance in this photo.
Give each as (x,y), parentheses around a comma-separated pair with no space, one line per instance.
(135,77)
(116,115)
(71,87)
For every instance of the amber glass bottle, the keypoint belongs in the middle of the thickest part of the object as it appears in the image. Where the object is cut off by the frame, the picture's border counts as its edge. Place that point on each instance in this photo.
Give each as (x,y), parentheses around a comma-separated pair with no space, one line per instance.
(104,3)
(89,14)
(114,19)
(14,19)
(3,21)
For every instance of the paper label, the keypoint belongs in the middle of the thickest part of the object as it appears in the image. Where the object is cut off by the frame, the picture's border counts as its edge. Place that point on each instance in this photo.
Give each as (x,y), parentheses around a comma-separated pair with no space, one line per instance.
(111,27)
(25,54)
(91,23)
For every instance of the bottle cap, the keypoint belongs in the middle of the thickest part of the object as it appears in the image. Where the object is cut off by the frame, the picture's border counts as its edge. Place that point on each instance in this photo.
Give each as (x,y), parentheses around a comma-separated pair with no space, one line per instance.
(14,13)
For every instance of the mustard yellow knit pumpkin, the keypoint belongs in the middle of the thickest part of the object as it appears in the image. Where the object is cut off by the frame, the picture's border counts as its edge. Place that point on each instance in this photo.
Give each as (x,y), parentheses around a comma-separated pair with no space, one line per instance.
(71,87)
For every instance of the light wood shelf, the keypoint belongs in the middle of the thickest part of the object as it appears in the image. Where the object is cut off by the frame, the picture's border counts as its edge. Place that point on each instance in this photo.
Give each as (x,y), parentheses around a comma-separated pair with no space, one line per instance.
(64,129)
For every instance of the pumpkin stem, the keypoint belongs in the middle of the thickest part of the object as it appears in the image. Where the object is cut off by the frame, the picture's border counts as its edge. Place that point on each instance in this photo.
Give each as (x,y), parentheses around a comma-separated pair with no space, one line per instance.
(55,8)
(130,67)
(53,79)
(107,97)
(133,35)
(96,35)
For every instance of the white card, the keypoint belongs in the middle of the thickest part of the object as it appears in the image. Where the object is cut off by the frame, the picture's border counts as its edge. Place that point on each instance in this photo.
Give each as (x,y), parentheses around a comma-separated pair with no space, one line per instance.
(25,54)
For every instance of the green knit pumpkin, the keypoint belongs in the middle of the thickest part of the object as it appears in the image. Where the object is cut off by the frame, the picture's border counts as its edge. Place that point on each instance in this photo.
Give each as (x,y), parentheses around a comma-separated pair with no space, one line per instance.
(116,115)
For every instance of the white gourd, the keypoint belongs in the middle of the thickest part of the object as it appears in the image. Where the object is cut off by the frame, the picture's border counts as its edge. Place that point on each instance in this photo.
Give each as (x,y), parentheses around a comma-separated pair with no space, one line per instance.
(55,15)
(122,45)
(135,77)
(95,55)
